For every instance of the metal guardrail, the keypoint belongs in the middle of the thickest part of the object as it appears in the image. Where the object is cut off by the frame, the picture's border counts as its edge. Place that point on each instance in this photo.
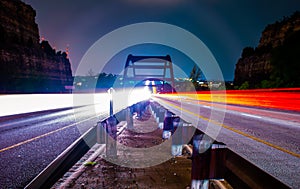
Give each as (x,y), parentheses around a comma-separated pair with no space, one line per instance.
(240,173)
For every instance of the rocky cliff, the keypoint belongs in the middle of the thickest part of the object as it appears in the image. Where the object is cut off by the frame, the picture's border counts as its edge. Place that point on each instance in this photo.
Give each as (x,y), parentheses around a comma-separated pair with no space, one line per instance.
(26,64)
(267,65)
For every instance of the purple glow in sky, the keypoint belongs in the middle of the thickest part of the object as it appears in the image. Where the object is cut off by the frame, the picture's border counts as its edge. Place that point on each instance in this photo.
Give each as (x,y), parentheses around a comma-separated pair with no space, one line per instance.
(225,26)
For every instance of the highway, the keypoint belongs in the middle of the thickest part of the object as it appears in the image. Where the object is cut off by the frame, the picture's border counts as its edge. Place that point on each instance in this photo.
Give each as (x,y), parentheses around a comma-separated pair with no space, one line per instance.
(269,138)
(29,142)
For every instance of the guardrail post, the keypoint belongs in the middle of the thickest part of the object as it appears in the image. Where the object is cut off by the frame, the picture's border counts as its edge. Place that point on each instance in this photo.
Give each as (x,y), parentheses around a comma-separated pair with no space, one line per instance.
(101,132)
(168,127)
(129,119)
(200,161)
(208,160)
(177,140)
(110,92)
(138,110)
(111,139)
(111,129)
(217,160)
(161,115)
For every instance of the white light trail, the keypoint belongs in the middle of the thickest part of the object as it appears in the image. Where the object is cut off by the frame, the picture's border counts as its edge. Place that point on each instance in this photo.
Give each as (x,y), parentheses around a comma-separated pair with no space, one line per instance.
(18,104)
(249,115)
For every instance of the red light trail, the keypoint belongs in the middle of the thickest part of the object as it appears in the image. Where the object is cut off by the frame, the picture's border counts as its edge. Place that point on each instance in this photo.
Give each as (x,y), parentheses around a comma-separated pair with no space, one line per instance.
(281,98)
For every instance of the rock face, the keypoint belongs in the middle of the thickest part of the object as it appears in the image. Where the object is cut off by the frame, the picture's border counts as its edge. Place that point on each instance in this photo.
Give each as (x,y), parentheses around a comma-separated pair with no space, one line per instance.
(26,65)
(255,65)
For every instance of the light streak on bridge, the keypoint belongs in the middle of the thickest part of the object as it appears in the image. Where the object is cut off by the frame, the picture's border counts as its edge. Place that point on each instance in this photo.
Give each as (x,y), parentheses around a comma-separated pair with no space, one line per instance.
(283,99)
(27,103)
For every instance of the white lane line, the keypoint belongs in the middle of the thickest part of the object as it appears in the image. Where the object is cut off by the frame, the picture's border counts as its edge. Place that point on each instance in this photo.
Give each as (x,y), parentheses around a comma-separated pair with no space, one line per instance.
(249,115)
(206,106)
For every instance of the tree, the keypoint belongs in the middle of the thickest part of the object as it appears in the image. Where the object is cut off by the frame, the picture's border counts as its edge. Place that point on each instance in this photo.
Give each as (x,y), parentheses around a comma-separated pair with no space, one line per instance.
(245,85)
(195,74)
(90,73)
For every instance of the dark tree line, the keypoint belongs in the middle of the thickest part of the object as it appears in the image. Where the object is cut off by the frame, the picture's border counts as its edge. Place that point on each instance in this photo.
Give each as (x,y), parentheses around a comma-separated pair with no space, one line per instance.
(92,81)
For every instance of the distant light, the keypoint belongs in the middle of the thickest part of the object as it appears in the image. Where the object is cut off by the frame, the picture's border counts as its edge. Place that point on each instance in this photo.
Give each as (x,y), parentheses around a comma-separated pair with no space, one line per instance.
(147,82)
(138,95)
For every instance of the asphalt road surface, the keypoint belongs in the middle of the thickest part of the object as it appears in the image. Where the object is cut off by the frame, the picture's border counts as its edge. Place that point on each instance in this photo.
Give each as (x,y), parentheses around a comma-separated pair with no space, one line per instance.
(268,138)
(29,142)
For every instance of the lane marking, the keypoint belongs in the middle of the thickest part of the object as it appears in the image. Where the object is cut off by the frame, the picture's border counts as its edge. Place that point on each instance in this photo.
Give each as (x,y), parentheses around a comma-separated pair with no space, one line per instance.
(46,134)
(249,115)
(236,131)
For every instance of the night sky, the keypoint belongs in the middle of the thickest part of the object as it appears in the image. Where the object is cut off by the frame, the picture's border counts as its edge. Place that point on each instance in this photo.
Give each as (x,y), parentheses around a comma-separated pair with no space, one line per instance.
(224,26)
